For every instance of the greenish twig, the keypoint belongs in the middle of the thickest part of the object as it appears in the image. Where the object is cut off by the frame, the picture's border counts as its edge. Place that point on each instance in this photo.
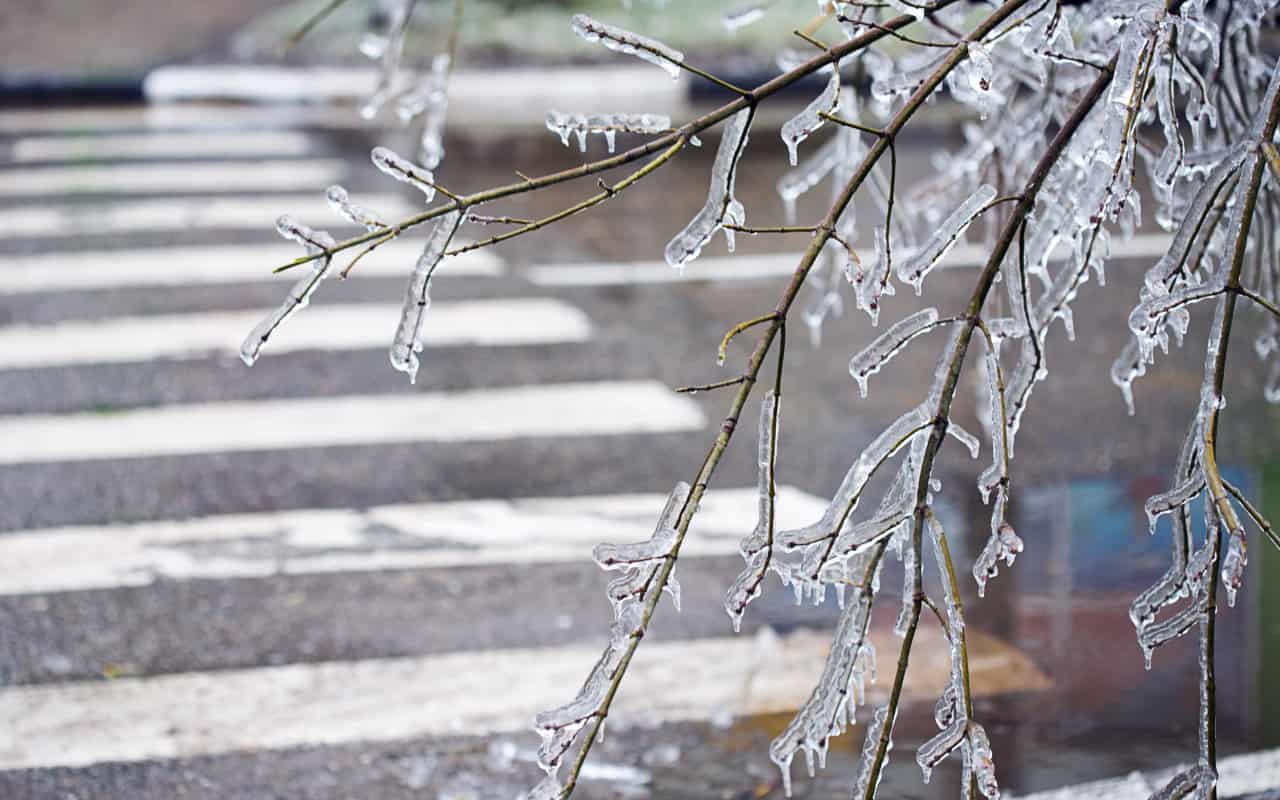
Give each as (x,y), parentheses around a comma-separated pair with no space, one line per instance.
(312,21)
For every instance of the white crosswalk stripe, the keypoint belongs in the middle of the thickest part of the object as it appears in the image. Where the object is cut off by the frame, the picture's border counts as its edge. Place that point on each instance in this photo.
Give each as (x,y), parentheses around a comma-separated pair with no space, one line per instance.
(1237,776)
(469,693)
(212,119)
(568,409)
(189,214)
(428,535)
(192,144)
(176,177)
(773,265)
(337,327)
(216,264)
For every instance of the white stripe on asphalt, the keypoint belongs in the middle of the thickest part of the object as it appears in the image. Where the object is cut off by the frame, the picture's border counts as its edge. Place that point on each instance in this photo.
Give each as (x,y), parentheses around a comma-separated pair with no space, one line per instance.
(567,409)
(162,145)
(417,536)
(523,94)
(183,214)
(772,265)
(1237,775)
(458,694)
(186,266)
(211,117)
(334,327)
(177,177)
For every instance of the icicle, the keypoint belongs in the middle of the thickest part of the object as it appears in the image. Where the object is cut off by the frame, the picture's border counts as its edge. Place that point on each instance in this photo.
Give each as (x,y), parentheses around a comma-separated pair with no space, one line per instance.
(875,355)
(1160,504)
(873,284)
(721,208)
(404,171)
(549,788)
(622,41)
(965,438)
(896,436)
(798,128)
(341,204)
(984,768)
(807,175)
(755,547)
(1233,564)
(910,588)
(933,751)
(829,708)
(431,142)
(387,45)
(1004,544)
(1127,367)
(318,244)
(559,727)
(408,338)
(914,268)
(955,616)
(609,125)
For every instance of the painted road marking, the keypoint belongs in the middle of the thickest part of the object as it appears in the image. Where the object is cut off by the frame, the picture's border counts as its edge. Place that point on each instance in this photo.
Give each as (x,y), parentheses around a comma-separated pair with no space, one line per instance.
(333,327)
(772,265)
(193,144)
(182,213)
(175,177)
(411,536)
(471,693)
(568,409)
(1237,775)
(186,266)
(209,117)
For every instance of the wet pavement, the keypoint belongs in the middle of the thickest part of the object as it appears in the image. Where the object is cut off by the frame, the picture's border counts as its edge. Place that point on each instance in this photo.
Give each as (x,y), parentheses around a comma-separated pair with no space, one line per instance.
(1064,694)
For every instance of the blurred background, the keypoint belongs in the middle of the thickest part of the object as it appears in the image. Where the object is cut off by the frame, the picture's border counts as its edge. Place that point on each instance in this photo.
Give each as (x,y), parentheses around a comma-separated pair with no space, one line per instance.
(310,579)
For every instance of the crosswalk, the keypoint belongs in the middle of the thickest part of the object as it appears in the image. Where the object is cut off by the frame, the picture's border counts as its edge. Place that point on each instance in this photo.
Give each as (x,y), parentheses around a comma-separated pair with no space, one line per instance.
(107,687)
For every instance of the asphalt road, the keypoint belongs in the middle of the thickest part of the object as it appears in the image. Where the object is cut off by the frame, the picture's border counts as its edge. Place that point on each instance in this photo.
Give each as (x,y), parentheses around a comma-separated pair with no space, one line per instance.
(310,579)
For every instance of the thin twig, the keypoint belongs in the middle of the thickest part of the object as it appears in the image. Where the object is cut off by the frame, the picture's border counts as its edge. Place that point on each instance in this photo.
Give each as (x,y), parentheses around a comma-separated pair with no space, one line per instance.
(708,120)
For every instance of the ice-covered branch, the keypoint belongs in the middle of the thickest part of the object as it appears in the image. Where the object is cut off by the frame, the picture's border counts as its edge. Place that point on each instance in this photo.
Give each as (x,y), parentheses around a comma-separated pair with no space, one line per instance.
(623,41)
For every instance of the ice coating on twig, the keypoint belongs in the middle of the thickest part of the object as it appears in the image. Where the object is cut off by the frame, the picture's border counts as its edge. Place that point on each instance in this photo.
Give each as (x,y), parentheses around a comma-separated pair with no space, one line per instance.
(341,204)
(965,438)
(386,45)
(983,761)
(407,342)
(1195,783)
(1233,564)
(830,707)
(623,41)
(1160,504)
(721,208)
(875,355)
(565,124)
(893,438)
(798,128)
(433,99)
(757,547)
(913,269)
(318,244)
(871,746)
(1004,544)
(405,171)
(640,562)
